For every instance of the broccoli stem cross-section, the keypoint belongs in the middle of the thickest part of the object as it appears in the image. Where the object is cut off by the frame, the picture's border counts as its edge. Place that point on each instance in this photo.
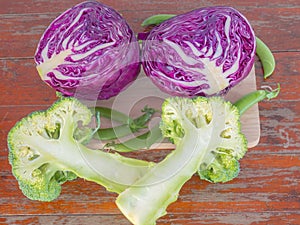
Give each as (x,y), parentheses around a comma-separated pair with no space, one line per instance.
(44,153)
(200,128)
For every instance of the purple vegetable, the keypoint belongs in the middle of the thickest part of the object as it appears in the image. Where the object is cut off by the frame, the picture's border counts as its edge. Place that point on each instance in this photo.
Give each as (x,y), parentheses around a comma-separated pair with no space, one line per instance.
(204,52)
(89,51)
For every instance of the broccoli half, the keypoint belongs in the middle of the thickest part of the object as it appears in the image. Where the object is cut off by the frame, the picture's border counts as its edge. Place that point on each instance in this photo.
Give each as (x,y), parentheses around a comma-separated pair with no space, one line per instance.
(45,150)
(207,135)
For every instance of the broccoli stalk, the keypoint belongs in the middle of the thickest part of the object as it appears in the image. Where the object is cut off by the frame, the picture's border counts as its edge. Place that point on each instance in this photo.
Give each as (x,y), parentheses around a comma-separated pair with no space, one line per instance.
(44,152)
(203,130)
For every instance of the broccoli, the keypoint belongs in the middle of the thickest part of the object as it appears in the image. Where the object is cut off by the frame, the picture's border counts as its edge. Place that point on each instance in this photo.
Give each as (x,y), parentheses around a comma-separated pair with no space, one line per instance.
(223,167)
(207,135)
(46,150)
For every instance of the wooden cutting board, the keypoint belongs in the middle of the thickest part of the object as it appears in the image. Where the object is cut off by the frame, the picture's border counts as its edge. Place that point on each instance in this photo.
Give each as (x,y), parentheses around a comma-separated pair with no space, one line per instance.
(250,119)
(143,92)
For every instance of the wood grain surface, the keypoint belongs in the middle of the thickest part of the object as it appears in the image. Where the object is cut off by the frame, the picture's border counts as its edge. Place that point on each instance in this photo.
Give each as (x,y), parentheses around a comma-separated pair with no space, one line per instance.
(268,187)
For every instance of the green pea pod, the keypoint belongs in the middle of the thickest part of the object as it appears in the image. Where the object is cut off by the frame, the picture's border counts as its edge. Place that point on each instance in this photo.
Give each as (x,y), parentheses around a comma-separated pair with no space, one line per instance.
(244,103)
(140,122)
(113,115)
(156,19)
(125,129)
(143,141)
(266,57)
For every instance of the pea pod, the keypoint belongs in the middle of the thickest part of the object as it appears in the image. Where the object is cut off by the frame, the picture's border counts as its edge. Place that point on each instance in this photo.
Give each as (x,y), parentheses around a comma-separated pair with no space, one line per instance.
(143,141)
(125,129)
(244,103)
(266,57)
(156,19)
(113,114)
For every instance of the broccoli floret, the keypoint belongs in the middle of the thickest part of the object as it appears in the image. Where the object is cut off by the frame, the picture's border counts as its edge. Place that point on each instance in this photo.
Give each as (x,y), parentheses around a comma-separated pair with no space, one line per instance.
(220,163)
(206,132)
(45,150)
(226,147)
(223,168)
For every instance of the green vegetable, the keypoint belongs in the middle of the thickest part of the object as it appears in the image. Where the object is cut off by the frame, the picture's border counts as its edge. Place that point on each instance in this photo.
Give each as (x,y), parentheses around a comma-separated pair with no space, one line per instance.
(126,129)
(85,134)
(204,131)
(266,57)
(254,97)
(113,114)
(44,152)
(143,141)
(156,19)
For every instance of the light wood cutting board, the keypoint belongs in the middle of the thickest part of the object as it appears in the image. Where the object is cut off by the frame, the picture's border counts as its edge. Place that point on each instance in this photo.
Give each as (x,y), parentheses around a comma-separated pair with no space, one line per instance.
(142,92)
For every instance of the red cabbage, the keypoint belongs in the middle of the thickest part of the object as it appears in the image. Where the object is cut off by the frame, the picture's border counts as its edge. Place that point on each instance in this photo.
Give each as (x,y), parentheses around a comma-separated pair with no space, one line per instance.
(204,52)
(88,51)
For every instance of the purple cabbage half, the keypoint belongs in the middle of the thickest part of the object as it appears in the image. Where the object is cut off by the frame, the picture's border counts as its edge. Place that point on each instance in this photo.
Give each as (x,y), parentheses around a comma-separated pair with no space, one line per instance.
(204,52)
(89,51)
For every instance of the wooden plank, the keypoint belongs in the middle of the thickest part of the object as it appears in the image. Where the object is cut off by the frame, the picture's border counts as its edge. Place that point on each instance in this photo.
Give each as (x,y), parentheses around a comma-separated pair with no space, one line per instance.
(55,6)
(66,219)
(274,218)
(21,85)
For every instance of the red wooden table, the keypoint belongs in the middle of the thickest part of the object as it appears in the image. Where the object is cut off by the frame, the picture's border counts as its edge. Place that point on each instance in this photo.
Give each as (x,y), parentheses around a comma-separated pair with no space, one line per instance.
(265,192)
